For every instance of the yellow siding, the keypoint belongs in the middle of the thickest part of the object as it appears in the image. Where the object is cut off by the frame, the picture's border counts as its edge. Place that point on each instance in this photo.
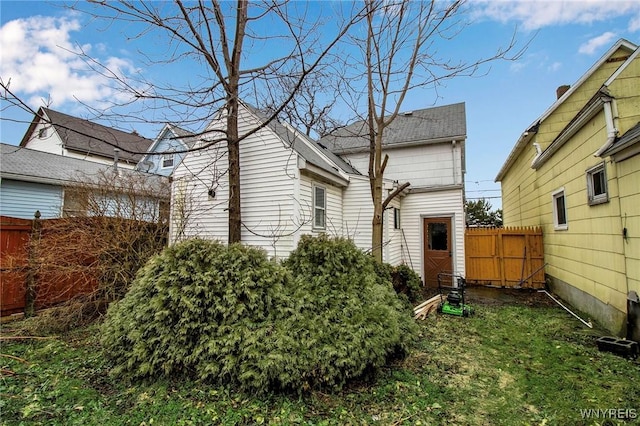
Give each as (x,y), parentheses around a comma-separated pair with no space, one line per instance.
(591,254)
(629,185)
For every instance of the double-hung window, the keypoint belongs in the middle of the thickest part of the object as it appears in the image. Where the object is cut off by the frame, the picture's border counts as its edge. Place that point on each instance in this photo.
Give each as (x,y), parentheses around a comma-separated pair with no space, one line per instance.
(597,185)
(319,207)
(559,210)
(167,160)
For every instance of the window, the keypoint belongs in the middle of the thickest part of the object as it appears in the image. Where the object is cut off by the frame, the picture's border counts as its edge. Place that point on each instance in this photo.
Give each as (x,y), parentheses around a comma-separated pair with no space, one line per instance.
(167,160)
(42,133)
(396,218)
(559,210)
(597,185)
(437,236)
(319,207)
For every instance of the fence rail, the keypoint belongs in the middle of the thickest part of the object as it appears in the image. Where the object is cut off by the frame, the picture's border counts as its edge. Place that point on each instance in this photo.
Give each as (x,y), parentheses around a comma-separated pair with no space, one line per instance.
(505,257)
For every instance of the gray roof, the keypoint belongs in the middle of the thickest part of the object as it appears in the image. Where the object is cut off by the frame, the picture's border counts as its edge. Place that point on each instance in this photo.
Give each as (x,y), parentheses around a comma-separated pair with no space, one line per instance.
(184,135)
(303,144)
(430,125)
(88,137)
(29,165)
(632,136)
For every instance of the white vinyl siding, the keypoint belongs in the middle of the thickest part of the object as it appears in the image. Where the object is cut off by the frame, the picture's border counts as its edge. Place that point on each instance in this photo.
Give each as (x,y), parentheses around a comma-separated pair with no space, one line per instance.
(267,176)
(423,166)
(415,207)
(333,203)
(358,211)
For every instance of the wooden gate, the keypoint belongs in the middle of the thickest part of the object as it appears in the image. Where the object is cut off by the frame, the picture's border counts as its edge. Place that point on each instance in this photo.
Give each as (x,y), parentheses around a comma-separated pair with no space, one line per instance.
(505,257)
(14,240)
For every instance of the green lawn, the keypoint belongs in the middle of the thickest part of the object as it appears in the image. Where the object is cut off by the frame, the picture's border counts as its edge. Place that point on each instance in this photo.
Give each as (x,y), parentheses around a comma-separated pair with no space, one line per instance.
(508,364)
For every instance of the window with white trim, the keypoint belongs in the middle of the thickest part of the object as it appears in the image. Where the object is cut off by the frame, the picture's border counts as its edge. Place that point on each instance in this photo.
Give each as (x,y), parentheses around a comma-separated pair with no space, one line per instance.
(559,210)
(319,207)
(597,185)
(167,160)
(396,218)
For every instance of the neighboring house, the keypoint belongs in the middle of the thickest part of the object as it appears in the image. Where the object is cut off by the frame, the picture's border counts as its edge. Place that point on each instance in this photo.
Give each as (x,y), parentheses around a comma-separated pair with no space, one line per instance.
(292,185)
(33,180)
(167,150)
(62,134)
(575,172)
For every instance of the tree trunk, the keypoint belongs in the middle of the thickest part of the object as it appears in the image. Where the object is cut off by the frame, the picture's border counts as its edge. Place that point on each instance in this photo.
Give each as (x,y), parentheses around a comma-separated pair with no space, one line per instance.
(376,224)
(233,148)
(376,195)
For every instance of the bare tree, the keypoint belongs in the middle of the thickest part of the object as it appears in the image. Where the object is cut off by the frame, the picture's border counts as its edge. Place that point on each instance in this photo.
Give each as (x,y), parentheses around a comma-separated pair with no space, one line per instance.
(231,51)
(400,53)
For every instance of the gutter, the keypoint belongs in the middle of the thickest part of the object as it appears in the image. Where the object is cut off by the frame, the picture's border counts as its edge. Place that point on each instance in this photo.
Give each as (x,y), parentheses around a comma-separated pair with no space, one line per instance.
(612,131)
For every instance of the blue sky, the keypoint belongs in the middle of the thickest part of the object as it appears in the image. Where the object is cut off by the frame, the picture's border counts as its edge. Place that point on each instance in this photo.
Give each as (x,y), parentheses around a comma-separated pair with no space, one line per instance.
(566,38)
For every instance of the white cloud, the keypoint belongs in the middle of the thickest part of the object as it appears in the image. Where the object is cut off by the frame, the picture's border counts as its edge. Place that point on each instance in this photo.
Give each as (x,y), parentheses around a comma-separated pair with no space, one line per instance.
(42,61)
(591,46)
(533,15)
(554,66)
(634,24)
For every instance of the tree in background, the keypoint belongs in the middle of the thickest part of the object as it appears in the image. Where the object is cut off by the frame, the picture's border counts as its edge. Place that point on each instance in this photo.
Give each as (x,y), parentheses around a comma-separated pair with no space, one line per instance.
(480,213)
(234,51)
(400,52)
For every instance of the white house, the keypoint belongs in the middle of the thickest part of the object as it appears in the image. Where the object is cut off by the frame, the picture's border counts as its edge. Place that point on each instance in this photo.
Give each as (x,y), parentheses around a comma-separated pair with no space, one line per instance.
(292,185)
(57,133)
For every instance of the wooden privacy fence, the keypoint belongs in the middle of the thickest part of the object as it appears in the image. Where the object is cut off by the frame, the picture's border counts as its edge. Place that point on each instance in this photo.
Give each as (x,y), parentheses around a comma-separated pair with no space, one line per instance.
(16,271)
(505,257)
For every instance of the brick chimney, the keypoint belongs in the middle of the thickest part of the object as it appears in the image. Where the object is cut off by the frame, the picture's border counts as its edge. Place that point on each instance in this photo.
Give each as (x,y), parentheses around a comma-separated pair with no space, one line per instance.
(562,90)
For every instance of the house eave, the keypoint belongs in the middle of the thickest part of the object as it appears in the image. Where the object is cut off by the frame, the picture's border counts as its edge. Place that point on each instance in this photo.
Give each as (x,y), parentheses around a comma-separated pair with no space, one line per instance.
(439,188)
(322,173)
(524,139)
(421,142)
(591,110)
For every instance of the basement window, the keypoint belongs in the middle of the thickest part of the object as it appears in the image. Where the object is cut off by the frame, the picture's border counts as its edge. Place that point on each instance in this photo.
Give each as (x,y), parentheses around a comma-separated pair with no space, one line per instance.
(559,210)
(319,207)
(597,185)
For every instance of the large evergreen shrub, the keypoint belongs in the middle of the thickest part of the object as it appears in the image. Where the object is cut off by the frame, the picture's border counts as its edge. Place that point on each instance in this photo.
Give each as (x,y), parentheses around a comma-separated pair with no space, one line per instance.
(351,320)
(228,315)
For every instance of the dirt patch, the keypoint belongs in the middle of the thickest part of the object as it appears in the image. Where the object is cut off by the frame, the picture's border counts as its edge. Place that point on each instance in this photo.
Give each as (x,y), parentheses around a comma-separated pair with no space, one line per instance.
(494,296)
(506,296)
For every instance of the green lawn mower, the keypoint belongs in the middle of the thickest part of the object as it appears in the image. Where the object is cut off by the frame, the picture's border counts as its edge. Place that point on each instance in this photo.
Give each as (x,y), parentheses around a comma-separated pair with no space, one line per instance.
(454,303)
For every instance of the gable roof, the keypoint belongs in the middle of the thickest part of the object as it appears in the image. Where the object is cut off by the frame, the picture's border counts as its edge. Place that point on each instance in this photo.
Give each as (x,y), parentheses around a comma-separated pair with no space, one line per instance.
(312,152)
(30,165)
(88,137)
(532,129)
(424,126)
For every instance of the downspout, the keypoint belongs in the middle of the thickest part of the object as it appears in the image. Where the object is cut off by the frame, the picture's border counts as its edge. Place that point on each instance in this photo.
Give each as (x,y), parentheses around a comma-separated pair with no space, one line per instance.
(612,132)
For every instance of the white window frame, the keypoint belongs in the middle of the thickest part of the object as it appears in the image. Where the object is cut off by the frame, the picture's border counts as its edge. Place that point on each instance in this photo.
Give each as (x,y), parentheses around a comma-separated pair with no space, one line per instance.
(555,195)
(316,207)
(592,198)
(166,158)
(396,218)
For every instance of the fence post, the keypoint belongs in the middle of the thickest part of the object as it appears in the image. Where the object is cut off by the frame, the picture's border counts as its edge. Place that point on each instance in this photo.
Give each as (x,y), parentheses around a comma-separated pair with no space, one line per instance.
(31,281)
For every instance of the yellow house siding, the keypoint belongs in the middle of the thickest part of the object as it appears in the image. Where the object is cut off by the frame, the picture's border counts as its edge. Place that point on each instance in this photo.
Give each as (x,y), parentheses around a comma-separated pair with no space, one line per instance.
(520,204)
(550,127)
(629,185)
(625,91)
(589,254)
